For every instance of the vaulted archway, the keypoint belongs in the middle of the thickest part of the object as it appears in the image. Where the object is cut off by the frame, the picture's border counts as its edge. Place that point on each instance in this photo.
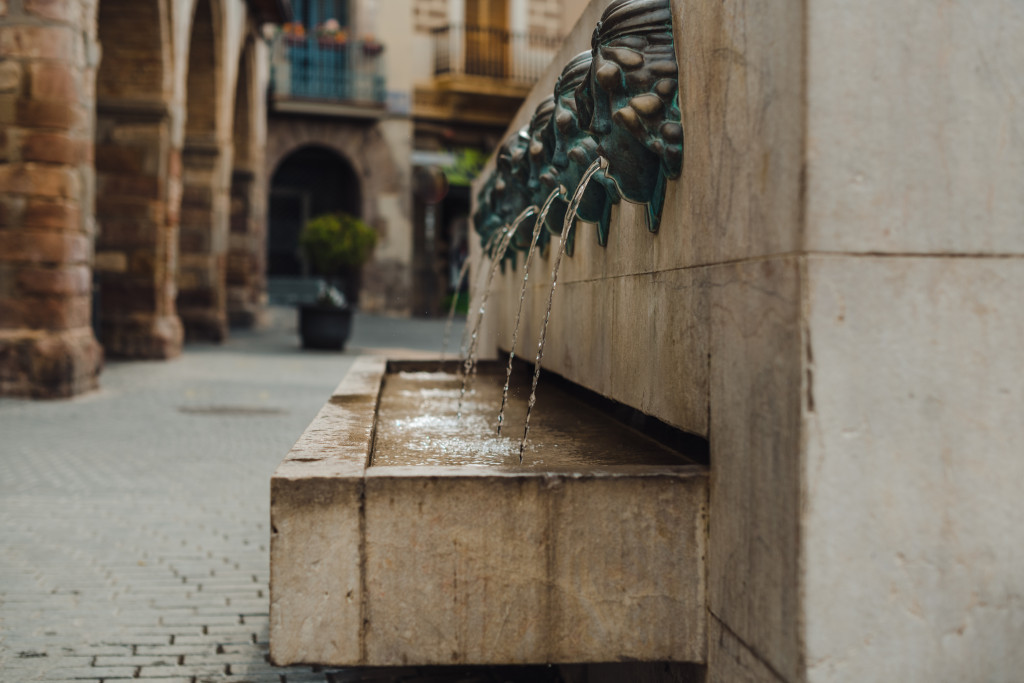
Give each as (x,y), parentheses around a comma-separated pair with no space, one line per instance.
(135,247)
(206,166)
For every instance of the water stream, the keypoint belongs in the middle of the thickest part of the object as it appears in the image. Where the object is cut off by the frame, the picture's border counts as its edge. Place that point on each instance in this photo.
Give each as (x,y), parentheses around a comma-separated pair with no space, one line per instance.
(481,273)
(469,365)
(570,219)
(463,274)
(559,191)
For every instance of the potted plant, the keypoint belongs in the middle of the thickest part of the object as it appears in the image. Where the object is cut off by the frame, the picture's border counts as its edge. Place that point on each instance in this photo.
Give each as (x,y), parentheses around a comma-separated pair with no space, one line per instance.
(330,34)
(336,246)
(371,46)
(294,33)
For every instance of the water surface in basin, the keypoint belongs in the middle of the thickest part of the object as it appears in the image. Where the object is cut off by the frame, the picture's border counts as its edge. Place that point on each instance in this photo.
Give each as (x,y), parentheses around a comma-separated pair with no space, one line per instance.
(417,424)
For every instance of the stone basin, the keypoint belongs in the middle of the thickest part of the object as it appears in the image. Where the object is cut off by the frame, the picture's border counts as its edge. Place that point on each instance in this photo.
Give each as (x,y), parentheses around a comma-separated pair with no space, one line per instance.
(403,534)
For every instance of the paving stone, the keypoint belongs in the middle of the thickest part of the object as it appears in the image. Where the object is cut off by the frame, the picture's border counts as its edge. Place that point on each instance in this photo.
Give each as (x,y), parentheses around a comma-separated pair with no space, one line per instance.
(104,672)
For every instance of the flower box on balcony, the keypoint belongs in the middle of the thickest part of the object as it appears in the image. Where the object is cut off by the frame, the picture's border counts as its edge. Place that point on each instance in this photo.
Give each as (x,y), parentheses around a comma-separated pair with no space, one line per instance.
(332,42)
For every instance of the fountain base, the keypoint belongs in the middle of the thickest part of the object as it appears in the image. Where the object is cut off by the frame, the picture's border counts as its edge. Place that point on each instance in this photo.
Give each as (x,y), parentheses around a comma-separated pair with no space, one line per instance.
(397,540)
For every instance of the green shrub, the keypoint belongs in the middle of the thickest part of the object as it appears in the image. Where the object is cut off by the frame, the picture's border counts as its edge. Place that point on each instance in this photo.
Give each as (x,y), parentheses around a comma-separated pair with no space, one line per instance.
(334,242)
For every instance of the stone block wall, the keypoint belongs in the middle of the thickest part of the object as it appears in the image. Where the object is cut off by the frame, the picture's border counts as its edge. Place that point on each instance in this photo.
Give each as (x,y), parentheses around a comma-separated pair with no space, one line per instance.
(48,62)
(831,302)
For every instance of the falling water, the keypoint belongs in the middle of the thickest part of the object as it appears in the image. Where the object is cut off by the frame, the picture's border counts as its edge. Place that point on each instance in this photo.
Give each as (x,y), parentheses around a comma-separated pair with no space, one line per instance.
(469,365)
(492,241)
(570,219)
(463,273)
(559,191)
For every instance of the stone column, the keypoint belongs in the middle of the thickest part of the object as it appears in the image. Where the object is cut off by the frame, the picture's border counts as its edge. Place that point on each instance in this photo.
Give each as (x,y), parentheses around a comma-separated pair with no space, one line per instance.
(202,266)
(48,57)
(246,269)
(137,245)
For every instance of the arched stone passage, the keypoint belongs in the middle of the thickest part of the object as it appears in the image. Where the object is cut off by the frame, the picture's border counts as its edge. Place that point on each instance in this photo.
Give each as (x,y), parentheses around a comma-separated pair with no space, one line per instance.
(246,272)
(135,249)
(309,181)
(206,164)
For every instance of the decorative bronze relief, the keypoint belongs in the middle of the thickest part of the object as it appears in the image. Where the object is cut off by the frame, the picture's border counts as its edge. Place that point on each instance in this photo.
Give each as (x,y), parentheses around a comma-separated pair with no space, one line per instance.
(629,101)
(617,102)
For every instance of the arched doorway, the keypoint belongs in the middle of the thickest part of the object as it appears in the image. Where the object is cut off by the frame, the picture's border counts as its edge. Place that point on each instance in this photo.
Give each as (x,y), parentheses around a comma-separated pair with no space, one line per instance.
(246,285)
(206,159)
(135,246)
(308,182)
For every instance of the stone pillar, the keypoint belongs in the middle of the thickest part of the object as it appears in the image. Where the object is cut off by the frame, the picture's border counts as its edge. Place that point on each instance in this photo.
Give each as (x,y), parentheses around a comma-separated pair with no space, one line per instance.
(48,57)
(202,264)
(138,172)
(246,270)
(246,264)
(136,247)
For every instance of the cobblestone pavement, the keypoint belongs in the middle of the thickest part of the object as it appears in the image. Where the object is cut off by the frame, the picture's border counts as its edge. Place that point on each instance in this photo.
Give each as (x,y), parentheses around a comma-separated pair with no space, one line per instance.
(133,521)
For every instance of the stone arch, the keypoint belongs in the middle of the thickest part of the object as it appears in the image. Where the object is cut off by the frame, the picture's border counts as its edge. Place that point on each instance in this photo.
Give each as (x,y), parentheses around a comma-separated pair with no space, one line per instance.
(375,151)
(246,273)
(206,167)
(308,181)
(135,252)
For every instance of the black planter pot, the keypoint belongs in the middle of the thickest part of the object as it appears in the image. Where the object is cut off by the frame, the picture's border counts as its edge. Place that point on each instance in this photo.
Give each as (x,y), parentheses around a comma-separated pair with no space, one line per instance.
(324,327)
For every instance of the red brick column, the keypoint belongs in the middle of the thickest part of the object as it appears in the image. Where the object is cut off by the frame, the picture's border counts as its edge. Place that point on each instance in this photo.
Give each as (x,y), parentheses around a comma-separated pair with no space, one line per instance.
(47,78)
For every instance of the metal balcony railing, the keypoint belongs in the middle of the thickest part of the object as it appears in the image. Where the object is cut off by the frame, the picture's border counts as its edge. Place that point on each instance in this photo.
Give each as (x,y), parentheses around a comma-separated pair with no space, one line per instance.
(325,69)
(492,52)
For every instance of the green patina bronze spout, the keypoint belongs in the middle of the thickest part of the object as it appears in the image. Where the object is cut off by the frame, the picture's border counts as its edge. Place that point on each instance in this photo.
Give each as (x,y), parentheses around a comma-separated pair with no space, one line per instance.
(619,102)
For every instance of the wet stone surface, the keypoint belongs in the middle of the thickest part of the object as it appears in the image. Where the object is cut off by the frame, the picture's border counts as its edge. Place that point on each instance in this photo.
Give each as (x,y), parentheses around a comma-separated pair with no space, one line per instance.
(419,424)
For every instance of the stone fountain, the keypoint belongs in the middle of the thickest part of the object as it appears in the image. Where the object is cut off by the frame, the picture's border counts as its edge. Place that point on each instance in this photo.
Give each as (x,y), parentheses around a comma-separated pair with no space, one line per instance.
(405,532)
(824,284)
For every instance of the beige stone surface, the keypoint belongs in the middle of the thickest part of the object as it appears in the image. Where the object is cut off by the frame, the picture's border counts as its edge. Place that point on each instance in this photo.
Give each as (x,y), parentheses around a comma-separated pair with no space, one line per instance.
(730,661)
(914,127)
(455,569)
(742,99)
(316,611)
(620,336)
(756,388)
(627,568)
(474,566)
(913,520)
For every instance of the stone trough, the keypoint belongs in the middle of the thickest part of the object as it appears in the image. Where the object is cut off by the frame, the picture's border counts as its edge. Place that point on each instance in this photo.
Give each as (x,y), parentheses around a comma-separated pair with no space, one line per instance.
(402,535)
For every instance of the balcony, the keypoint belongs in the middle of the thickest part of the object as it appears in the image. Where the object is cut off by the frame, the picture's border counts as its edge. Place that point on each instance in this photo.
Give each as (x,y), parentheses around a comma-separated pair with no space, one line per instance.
(481,74)
(313,75)
(492,53)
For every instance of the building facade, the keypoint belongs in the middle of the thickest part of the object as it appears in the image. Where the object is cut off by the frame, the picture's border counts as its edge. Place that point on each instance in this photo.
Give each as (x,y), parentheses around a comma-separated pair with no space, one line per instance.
(384,110)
